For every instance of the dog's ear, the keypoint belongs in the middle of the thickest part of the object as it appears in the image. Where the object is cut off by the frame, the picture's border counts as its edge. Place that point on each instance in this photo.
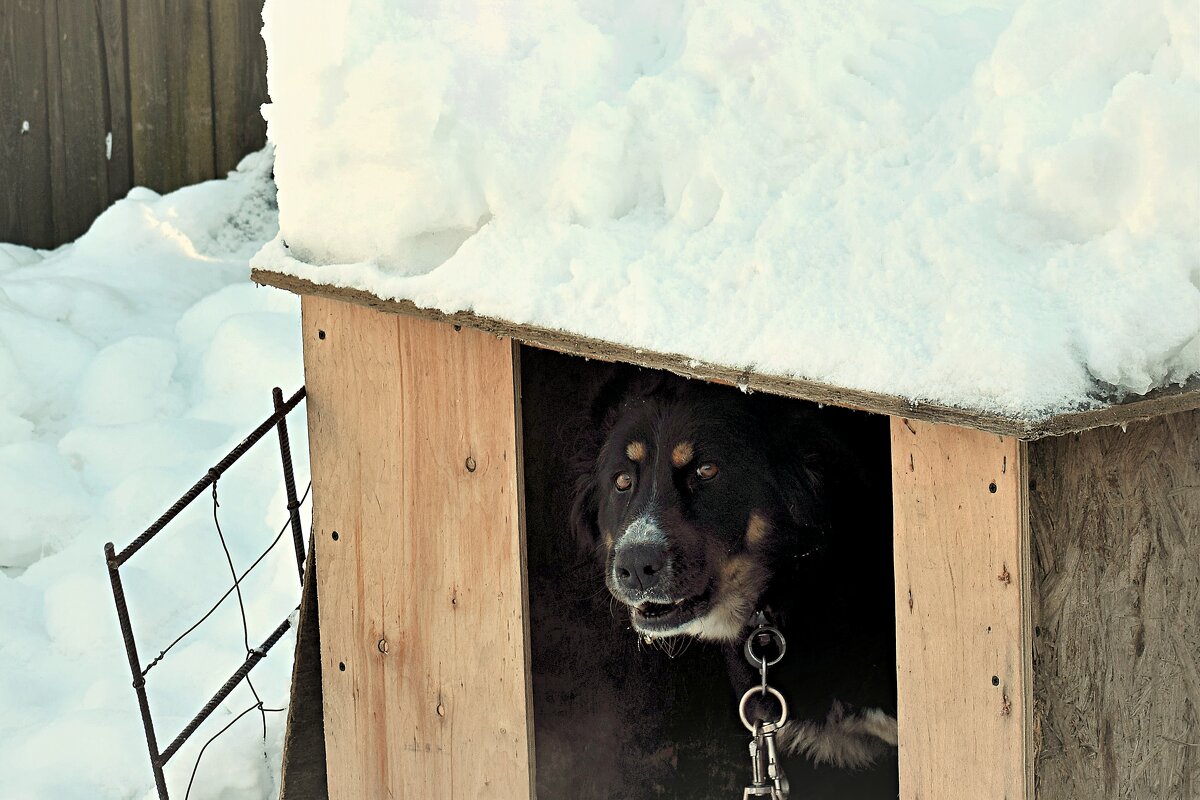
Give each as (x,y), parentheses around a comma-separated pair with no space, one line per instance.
(802,454)
(822,478)
(584,510)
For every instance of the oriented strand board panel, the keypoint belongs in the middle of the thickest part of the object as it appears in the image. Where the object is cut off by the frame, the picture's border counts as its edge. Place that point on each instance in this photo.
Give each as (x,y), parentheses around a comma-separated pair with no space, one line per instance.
(962,620)
(416,471)
(1115,519)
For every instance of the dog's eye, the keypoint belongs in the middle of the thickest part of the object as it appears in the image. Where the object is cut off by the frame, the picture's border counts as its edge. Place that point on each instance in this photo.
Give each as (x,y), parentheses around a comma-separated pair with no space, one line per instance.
(623,481)
(707,471)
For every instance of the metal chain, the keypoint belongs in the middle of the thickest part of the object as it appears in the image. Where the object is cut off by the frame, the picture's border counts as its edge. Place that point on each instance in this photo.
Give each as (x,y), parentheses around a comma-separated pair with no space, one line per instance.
(766,775)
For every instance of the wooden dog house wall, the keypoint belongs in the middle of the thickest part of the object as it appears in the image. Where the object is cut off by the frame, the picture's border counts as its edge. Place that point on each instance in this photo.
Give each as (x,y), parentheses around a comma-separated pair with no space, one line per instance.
(1047,582)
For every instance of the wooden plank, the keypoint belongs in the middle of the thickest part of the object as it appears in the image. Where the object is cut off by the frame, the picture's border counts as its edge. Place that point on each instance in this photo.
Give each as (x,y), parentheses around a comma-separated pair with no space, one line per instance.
(1115,520)
(26,207)
(962,620)
(116,89)
(303,774)
(239,64)
(76,92)
(170,90)
(1164,401)
(425,651)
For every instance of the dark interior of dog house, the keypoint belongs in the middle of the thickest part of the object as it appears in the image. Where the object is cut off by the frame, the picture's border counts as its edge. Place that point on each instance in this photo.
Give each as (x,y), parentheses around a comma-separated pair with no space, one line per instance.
(619,716)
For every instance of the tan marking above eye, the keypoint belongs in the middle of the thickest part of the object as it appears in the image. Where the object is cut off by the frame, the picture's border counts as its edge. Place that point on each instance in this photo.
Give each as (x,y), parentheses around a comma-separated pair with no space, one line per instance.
(623,481)
(682,454)
(757,529)
(636,451)
(707,471)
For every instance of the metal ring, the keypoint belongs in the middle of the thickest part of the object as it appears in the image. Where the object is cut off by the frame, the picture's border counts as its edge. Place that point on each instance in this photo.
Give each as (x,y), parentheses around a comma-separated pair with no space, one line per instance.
(749,649)
(783,712)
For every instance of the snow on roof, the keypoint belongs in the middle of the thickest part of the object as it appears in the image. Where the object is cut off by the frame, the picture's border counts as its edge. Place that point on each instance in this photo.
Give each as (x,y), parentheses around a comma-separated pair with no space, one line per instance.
(993,205)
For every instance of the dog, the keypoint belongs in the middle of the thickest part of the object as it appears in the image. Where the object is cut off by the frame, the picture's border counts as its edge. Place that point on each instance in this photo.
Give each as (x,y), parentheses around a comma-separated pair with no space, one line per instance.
(704,505)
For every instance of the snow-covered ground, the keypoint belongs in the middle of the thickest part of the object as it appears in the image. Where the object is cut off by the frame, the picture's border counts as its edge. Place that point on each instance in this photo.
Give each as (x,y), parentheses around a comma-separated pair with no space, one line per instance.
(130,362)
(988,203)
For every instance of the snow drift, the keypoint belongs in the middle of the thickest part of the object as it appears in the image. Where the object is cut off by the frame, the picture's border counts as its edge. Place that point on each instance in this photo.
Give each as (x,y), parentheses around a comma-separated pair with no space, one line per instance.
(987,204)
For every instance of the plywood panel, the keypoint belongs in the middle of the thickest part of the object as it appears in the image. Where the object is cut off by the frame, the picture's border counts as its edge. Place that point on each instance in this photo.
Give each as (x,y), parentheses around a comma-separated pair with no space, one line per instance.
(1115,519)
(415,465)
(962,622)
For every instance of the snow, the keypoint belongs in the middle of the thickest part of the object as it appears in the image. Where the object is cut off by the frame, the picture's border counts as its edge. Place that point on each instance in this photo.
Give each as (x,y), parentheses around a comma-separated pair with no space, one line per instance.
(130,361)
(991,204)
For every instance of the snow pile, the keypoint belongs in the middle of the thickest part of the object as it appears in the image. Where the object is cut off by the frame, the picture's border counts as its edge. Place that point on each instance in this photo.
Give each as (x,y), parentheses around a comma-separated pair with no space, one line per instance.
(992,204)
(130,362)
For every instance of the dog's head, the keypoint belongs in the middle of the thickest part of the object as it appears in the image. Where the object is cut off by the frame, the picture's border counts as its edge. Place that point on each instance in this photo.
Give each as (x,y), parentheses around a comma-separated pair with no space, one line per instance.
(689,493)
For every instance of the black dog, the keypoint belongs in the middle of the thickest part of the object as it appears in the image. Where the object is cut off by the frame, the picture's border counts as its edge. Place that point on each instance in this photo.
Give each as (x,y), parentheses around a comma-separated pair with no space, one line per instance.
(706,505)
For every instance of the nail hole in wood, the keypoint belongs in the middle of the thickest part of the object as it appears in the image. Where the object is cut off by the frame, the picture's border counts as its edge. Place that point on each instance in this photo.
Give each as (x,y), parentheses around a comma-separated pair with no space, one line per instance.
(382,644)
(995,680)
(334,535)
(471,465)
(457,328)
(441,710)
(320,334)
(992,487)
(342,666)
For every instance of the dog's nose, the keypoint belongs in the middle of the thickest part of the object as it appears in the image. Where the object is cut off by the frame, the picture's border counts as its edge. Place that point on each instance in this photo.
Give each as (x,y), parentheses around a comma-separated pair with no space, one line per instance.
(639,566)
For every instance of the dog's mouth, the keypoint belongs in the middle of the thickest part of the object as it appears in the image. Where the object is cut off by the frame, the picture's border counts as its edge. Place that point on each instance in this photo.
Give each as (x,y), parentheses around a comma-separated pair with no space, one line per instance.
(664,618)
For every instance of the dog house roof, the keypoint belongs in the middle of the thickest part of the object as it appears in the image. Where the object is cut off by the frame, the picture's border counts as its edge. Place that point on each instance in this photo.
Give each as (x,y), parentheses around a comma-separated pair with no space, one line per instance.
(979,212)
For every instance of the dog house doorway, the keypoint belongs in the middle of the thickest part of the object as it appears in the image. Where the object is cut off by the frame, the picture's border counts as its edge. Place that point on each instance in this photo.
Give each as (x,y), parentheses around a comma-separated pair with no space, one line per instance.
(614,716)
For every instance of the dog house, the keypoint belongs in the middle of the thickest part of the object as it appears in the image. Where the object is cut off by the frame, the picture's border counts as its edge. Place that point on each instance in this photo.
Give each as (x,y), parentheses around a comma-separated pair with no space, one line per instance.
(1046,581)
(745,179)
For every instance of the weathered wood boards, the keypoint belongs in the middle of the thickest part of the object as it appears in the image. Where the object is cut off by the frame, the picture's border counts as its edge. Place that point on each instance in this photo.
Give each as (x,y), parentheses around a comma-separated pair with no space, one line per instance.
(416,513)
(1107,545)
(303,772)
(962,614)
(1115,520)
(172,137)
(160,93)
(1178,398)
(239,80)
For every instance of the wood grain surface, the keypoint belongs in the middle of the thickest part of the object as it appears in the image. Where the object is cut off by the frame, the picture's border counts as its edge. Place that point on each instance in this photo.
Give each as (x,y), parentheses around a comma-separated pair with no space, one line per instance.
(1115,518)
(962,614)
(176,85)
(1160,402)
(416,511)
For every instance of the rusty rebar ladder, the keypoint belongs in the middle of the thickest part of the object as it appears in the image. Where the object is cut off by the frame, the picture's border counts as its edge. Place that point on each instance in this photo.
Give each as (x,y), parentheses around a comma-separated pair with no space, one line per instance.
(277,420)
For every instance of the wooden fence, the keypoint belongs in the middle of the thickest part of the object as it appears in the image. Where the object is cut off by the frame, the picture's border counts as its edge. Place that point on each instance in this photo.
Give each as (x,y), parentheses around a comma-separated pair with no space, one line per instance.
(97,96)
